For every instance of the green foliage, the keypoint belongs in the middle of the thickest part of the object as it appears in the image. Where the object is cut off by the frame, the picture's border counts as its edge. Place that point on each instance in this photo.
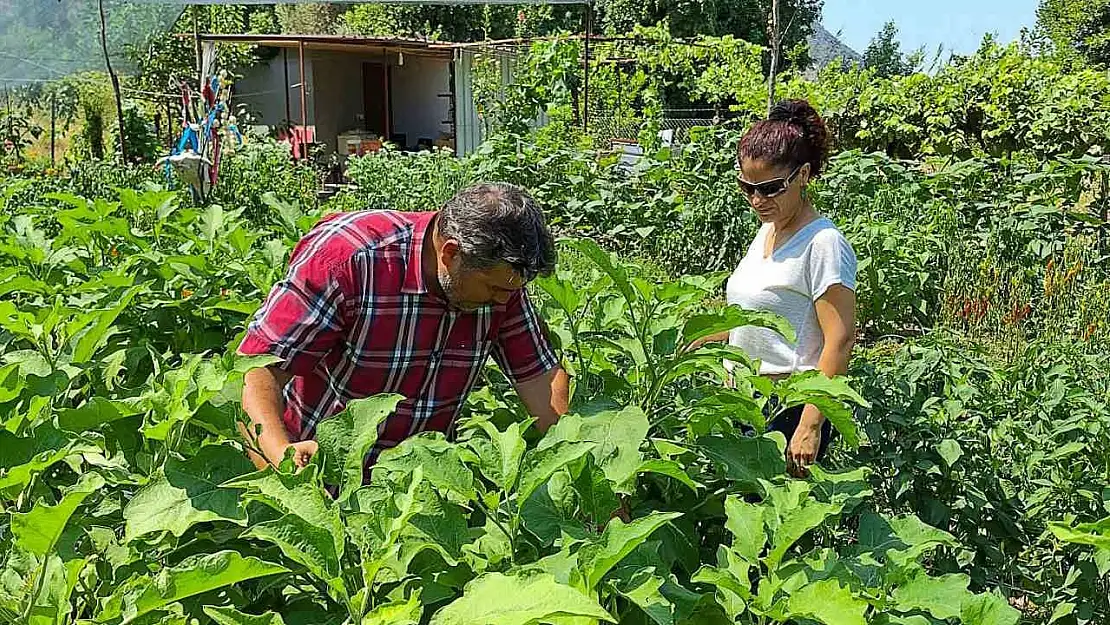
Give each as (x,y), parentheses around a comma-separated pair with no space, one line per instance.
(884,53)
(1077,28)
(128,497)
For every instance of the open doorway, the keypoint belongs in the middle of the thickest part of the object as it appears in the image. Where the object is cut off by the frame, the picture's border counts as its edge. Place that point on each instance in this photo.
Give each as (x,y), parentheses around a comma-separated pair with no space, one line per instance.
(376,100)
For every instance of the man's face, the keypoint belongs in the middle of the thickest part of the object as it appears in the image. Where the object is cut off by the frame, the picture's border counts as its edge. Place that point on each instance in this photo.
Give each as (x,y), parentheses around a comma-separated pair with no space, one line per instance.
(470,289)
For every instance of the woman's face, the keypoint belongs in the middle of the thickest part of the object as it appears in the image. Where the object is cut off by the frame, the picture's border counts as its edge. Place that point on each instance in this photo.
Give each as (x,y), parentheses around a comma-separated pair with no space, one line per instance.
(780,208)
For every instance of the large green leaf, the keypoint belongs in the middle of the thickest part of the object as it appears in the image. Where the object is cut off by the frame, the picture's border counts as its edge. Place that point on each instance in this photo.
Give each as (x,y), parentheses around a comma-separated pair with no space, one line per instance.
(38,530)
(988,609)
(734,317)
(231,616)
(187,492)
(539,464)
(617,273)
(440,460)
(348,437)
(828,602)
(670,469)
(746,459)
(745,522)
(643,591)
(1095,534)
(92,414)
(501,464)
(562,291)
(617,541)
(522,599)
(939,596)
(407,612)
(195,575)
(901,539)
(794,524)
(296,494)
(52,604)
(102,323)
(302,542)
(618,435)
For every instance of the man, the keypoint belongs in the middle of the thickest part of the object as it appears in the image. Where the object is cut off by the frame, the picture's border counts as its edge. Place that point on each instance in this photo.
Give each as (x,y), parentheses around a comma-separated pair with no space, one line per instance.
(407,303)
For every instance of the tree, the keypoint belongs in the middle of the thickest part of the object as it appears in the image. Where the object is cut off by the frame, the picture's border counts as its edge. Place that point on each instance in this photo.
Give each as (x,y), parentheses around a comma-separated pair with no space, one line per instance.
(308,19)
(1077,28)
(745,19)
(884,53)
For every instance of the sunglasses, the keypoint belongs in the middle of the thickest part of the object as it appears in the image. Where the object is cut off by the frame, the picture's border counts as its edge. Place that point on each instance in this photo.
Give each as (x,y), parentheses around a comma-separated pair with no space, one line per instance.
(769,188)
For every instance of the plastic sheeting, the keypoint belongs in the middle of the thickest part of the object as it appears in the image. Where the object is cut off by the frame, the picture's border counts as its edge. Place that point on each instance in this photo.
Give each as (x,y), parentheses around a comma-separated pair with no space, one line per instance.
(43,40)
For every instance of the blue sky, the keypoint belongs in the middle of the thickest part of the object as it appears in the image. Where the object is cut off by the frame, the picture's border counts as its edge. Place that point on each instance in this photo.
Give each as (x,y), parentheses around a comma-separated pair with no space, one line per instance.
(958,24)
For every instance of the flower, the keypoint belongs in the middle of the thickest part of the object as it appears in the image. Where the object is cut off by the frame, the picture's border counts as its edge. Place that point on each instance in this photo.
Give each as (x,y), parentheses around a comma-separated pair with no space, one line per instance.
(186,293)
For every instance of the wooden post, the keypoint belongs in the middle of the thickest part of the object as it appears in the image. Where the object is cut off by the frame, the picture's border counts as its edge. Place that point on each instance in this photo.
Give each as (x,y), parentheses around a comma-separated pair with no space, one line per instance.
(8,117)
(53,117)
(304,99)
(776,41)
(196,46)
(586,75)
(285,65)
(115,81)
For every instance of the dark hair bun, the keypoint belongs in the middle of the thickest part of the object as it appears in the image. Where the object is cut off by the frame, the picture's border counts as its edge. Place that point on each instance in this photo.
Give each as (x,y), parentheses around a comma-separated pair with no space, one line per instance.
(793,134)
(801,114)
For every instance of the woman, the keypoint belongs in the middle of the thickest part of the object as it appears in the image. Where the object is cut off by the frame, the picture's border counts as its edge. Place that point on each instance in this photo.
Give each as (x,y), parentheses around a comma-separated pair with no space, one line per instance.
(799,266)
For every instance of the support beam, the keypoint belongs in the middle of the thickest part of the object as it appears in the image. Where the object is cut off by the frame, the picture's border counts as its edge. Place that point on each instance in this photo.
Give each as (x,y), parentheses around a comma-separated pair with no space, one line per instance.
(304,100)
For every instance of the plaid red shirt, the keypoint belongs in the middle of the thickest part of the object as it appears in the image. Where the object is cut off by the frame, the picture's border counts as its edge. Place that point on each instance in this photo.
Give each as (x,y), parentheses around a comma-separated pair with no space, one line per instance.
(353,318)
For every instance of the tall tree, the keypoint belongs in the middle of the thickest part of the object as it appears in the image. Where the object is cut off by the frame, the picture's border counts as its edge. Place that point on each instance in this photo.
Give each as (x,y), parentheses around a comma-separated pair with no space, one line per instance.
(1077,28)
(745,19)
(884,53)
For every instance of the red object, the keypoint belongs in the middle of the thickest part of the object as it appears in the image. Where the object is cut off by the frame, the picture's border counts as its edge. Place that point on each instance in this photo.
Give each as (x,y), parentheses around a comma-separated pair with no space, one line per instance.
(299,137)
(353,318)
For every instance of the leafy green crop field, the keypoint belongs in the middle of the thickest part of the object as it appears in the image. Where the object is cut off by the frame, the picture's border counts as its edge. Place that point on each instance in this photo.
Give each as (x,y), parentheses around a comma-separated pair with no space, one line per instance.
(970,482)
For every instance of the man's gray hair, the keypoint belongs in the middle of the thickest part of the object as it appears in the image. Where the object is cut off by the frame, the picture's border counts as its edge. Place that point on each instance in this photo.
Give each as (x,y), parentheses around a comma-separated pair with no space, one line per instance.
(498,223)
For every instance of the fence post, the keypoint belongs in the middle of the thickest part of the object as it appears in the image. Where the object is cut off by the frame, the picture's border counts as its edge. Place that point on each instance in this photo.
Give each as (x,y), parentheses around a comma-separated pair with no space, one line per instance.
(53,115)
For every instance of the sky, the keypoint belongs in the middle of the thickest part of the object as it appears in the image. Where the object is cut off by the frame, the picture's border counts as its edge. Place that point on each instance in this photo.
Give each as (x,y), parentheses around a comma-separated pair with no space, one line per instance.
(958,24)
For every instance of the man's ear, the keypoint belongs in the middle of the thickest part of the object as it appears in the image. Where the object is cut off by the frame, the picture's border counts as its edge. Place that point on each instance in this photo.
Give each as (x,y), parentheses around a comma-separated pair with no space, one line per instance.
(449,253)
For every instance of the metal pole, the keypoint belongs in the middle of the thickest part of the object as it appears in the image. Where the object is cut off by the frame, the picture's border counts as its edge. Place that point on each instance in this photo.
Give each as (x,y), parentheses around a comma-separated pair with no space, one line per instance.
(53,116)
(304,98)
(586,77)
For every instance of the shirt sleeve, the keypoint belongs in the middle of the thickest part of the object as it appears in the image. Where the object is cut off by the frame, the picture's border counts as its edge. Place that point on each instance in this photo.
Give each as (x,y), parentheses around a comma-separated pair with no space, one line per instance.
(522,348)
(831,261)
(302,319)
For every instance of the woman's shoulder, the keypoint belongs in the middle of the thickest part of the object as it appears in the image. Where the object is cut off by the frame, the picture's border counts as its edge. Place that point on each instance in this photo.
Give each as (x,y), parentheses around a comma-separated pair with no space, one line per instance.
(827,237)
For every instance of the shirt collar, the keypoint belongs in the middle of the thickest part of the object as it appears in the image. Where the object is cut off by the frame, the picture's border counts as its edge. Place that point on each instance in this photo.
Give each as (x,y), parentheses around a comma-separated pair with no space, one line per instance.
(414,264)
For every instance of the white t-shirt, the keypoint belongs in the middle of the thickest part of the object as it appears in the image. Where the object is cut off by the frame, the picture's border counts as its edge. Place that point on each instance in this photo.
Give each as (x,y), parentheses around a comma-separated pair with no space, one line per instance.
(788,283)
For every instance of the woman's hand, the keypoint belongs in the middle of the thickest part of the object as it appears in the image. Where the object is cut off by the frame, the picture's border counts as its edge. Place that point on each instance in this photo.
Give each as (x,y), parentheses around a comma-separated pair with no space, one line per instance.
(803,448)
(719,337)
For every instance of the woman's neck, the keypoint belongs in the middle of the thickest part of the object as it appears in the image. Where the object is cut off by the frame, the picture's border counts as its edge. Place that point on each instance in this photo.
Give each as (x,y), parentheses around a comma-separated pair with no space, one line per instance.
(801,217)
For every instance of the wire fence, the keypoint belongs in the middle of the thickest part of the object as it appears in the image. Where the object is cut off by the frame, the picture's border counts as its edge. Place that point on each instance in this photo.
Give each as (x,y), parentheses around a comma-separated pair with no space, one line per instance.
(675,125)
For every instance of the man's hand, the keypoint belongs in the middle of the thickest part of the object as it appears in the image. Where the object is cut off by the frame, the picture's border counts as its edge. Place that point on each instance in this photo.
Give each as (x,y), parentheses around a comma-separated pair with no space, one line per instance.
(275,449)
(803,448)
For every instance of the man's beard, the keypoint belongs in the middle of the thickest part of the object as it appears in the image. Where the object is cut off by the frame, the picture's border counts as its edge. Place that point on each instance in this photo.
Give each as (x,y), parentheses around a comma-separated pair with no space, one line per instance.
(449,283)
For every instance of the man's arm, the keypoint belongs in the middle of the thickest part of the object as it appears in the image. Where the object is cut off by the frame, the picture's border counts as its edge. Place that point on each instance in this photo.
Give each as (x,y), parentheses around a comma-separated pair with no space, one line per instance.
(546,396)
(263,403)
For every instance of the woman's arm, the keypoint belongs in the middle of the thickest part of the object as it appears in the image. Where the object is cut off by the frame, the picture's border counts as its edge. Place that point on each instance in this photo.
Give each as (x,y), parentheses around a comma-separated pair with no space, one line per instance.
(720,337)
(836,314)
